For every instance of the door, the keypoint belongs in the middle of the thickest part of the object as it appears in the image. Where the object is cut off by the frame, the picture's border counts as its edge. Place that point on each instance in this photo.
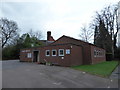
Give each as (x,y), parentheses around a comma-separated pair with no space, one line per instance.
(35,56)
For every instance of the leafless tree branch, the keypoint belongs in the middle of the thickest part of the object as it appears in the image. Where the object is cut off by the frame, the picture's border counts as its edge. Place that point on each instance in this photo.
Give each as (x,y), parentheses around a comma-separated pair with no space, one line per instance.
(9,30)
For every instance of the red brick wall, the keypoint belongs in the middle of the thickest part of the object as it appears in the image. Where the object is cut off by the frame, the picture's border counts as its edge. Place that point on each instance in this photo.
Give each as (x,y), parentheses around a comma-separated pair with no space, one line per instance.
(23,55)
(85,47)
(76,55)
(97,58)
(74,58)
(55,59)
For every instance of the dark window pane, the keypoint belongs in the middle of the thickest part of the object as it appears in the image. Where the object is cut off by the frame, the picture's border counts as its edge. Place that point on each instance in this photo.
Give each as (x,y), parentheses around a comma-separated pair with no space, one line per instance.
(54,52)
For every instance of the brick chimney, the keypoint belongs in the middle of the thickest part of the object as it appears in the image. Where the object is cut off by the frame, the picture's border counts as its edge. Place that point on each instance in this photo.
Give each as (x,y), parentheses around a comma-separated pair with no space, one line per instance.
(49,37)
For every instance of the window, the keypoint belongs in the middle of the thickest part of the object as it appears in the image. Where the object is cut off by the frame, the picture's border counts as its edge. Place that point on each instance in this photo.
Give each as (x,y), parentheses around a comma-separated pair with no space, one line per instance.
(54,53)
(23,51)
(47,52)
(67,51)
(29,55)
(61,52)
(95,53)
(98,53)
(103,53)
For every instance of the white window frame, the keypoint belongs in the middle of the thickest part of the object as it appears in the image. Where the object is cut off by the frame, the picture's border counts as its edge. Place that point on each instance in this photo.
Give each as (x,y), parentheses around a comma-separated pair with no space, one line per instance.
(55,52)
(95,53)
(46,52)
(99,53)
(29,55)
(67,51)
(61,54)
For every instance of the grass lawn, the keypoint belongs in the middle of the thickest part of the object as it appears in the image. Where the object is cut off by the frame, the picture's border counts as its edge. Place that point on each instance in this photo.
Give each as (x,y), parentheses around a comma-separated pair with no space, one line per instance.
(103,69)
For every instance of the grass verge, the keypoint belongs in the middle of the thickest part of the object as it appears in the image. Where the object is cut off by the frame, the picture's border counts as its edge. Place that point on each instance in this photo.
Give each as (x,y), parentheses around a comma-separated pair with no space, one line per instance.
(103,69)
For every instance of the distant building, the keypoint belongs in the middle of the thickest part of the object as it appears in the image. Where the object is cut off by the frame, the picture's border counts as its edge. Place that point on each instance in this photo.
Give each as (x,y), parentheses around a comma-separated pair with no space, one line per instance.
(119,23)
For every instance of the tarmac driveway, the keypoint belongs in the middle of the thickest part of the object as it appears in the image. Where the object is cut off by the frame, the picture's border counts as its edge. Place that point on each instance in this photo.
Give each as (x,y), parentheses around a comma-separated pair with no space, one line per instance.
(17,74)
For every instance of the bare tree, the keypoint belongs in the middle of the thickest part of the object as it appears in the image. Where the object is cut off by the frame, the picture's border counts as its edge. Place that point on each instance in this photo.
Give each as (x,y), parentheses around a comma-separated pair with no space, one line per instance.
(109,16)
(9,30)
(86,34)
(37,34)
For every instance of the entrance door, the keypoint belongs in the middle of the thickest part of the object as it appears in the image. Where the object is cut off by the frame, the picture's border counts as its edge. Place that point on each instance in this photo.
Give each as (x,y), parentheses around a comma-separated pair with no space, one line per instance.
(35,56)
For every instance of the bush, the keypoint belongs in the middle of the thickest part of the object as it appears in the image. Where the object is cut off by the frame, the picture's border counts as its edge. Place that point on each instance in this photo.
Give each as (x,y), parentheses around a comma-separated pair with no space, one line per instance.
(10,52)
(117,53)
(109,57)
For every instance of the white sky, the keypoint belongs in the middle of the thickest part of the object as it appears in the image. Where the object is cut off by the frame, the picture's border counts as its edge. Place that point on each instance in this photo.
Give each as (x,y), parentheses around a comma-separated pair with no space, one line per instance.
(61,17)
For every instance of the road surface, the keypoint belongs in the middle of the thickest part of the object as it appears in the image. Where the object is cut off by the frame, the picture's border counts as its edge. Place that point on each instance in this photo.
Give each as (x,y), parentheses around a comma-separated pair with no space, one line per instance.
(17,74)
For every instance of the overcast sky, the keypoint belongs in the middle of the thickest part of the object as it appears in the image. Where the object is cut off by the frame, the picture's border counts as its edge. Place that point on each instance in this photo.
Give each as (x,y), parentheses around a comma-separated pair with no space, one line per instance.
(61,17)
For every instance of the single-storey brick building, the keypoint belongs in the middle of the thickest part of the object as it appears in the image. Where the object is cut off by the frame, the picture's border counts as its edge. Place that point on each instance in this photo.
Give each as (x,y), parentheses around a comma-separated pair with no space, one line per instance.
(65,51)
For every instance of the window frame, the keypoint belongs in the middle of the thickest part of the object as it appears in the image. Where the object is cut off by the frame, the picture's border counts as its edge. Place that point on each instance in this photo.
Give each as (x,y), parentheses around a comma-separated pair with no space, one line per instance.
(59,52)
(46,52)
(55,52)
(68,51)
(29,55)
(95,53)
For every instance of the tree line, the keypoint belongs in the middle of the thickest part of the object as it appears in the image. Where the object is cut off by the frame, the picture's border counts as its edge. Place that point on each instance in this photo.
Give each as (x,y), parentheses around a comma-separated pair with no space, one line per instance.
(104,29)
(12,42)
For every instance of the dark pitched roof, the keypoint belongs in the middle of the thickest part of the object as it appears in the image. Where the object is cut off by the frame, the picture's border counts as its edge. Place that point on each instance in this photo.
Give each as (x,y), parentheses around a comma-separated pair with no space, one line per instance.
(76,40)
(70,38)
(45,42)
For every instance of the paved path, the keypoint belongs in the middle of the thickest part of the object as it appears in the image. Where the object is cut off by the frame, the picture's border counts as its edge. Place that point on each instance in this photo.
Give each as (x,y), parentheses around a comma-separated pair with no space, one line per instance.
(30,75)
(116,73)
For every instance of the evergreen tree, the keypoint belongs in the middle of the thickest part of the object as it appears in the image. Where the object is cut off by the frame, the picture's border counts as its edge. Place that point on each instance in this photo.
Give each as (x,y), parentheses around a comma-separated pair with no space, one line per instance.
(25,41)
(102,37)
(96,35)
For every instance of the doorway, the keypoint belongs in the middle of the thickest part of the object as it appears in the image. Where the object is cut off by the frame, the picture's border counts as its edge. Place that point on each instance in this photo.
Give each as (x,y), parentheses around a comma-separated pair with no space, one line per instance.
(35,56)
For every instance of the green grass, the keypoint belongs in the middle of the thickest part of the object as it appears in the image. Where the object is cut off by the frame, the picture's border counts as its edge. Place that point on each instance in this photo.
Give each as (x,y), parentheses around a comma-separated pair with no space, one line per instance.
(103,69)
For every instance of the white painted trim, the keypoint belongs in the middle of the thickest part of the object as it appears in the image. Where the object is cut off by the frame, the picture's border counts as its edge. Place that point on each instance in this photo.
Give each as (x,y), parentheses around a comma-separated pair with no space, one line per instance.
(59,52)
(55,51)
(46,52)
